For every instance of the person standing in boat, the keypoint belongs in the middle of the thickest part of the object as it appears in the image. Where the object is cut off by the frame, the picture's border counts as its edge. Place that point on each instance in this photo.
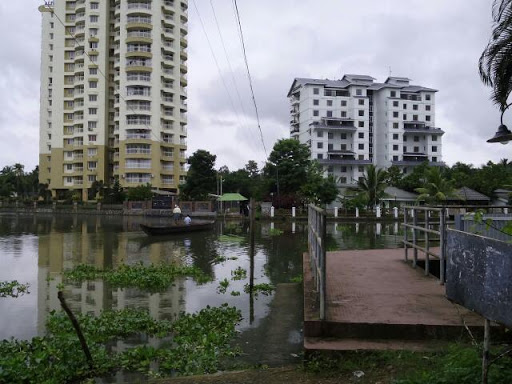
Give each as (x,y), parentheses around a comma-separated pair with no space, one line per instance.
(187,220)
(176,213)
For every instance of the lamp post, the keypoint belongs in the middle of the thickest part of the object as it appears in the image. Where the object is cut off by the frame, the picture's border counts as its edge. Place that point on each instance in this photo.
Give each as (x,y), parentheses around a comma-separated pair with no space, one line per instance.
(503,135)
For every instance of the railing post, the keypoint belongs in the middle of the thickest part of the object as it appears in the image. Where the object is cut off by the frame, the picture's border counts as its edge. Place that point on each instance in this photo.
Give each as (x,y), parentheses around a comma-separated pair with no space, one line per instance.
(427,260)
(405,235)
(414,238)
(323,289)
(442,241)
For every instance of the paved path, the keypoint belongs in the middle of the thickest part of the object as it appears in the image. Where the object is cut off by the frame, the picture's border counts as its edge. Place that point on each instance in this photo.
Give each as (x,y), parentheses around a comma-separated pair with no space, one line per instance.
(374,292)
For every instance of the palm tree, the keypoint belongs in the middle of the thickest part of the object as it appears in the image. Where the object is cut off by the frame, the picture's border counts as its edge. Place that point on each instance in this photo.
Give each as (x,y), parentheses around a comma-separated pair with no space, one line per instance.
(495,64)
(436,188)
(372,185)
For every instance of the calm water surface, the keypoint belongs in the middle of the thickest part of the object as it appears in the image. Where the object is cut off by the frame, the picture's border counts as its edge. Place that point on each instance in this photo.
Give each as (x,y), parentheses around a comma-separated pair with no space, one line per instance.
(37,249)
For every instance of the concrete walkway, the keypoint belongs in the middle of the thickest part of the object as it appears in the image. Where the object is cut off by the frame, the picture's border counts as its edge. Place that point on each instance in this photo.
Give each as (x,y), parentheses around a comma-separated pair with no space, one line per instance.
(377,301)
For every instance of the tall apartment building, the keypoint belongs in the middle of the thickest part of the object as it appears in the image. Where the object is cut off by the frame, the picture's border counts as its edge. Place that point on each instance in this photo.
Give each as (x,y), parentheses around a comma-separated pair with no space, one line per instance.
(353,122)
(113,94)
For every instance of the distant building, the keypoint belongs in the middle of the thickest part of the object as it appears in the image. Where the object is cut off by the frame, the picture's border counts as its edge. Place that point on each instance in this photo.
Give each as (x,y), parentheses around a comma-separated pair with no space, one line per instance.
(353,122)
(113,94)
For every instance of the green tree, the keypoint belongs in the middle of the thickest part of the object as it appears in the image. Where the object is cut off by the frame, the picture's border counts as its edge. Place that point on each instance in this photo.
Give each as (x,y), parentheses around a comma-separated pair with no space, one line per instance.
(140,193)
(394,176)
(414,179)
(287,168)
(318,189)
(373,184)
(201,177)
(436,188)
(495,63)
(7,181)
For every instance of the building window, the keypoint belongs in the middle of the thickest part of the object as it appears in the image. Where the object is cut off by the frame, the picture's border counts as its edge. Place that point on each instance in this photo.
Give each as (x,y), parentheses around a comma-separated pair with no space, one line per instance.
(330,135)
(320,156)
(315,102)
(329,113)
(93,97)
(427,118)
(91,165)
(94,5)
(415,117)
(427,97)
(342,180)
(415,107)
(315,113)
(416,139)
(395,136)
(434,148)
(343,114)
(92,152)
(395,103)
(360,157)
(416,149)
(405,106)
(434,158)
(320,134)
(395,147)
(51,24)
(434,138)
(93,111)
(361,135)
(404,117)
(395,125)
(343,136)
(93,84)
(392,93)
(361,101)
(359,92)
(360,146)
(343,147)
(93,71)
(91,124)
(316,91)
(92,137)
(343,103)
(93,19)
(427,107)
(361,124)
(329,103)
(320,145)
(395,114)
(395,158)
(360,112)
(343,169)
(330,147)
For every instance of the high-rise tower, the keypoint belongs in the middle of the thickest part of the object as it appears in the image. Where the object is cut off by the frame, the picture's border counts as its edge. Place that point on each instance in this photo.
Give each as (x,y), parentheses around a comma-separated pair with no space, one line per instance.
(113,94)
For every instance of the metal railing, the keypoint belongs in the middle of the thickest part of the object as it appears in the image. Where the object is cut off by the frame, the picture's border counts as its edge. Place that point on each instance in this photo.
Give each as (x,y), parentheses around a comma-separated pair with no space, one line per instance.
(316,246)
(425,230)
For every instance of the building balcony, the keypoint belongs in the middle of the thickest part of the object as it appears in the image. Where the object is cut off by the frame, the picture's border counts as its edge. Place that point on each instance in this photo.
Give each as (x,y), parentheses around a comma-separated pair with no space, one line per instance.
(337,124)
(421,127)
(294,130)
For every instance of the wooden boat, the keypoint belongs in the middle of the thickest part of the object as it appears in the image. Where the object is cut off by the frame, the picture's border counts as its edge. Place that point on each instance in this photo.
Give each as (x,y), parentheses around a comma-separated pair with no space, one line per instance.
(177,228)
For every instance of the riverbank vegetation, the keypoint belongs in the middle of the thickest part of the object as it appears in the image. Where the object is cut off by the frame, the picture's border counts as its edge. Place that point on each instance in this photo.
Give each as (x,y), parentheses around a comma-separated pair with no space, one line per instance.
(193,344)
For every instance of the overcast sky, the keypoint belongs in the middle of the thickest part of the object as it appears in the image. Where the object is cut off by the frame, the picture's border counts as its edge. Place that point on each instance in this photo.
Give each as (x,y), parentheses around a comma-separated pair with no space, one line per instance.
(436,43)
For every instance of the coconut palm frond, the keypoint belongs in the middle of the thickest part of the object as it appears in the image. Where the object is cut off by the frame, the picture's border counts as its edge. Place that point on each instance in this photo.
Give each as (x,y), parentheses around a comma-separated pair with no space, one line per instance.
(495,64)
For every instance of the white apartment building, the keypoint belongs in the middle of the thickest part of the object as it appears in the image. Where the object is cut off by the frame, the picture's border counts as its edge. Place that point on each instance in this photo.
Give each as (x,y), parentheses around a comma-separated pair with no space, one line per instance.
(113,94)
(353,122)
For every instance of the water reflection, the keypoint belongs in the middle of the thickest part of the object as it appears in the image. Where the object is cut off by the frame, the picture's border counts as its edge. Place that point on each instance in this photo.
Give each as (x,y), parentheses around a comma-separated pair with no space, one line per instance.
(37,249)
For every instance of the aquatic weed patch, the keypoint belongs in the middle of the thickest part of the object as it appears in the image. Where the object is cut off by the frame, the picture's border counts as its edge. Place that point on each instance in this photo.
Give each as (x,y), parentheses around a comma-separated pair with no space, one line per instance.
(13,288)
(199,342)
(151,278)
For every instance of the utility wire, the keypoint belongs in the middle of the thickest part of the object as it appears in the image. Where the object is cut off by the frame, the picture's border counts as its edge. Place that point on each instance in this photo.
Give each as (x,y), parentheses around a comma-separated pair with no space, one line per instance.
(217,63)
(249,74)
(229,63)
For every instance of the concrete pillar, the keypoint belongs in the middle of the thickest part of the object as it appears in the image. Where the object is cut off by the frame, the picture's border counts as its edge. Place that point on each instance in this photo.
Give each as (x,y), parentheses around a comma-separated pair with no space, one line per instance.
(272,224)
(357,212)
(395,228)
(395,212)
(377,212)
(378,229)
(293,211)
(412,212)
(505,211)
(335,211)
(293,226)
(272,211)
